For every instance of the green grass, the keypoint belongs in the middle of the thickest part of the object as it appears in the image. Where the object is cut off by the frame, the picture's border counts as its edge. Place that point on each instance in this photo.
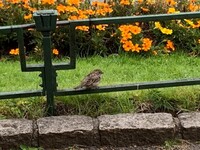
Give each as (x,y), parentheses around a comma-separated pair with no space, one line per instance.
(118,69)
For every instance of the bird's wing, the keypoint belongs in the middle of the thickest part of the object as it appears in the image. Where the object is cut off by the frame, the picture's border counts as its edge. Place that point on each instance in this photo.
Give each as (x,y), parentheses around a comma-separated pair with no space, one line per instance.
(92,78)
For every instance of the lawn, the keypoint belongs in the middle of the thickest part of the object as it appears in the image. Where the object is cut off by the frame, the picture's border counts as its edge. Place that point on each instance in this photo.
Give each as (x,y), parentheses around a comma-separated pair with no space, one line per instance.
(118,69)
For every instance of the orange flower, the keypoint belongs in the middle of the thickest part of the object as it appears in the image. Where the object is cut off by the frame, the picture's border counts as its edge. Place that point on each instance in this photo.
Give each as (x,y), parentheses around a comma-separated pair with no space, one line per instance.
(50,2)
(101,12)
(1,3)
(136,48)
(140,1)
(14,51)
(90,12)
(146,44)
(73,18)
(123,40)
(170,45)
(124,28)
(127,46)
(83,28)
(27,17)
(101,27)
(135,29)
(55,51)
(82,15)
(193,7)
(61,8)
(126,35)
(125,2)
(14,1)
(73,2)
(71,9)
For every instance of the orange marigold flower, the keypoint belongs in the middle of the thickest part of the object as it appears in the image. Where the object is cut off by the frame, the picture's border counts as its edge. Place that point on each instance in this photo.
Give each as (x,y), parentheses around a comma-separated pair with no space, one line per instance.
(126,35)
(135,29)
(1,3)
(27,17)
(193,7)
(73,2)
(83,28)
(127,45)
(73,18)
(136,48)
(14,51)
(170,45)
(124,28)
(125,2)
(146,44)
(61,8)
(101,27)
(14,1)
(71,9)
(90,12)
(55,51)
(101,12)
(82,15)
(123,40)
(140,1)
(50,2)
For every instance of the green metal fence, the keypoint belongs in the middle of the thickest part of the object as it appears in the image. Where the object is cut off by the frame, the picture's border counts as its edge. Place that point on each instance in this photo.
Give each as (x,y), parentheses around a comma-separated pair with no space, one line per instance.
(45,22)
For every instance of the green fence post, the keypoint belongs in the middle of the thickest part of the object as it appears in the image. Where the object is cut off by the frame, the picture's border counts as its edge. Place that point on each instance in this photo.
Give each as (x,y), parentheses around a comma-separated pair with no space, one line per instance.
(45,21)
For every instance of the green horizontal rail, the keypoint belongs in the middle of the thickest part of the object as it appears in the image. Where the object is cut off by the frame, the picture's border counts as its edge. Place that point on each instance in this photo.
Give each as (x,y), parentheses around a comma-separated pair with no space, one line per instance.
(131,19)
(40,67)
(20,94)
(128,87)
(113,20)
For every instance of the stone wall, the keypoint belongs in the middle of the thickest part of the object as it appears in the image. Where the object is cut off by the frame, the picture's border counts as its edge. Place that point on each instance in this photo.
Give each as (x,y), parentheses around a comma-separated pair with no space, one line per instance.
(119,130)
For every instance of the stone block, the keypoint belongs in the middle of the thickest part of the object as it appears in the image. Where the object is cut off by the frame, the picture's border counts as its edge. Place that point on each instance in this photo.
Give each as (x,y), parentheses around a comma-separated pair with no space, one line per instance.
(190,125)
(136,129)
(64,131)
(15,132)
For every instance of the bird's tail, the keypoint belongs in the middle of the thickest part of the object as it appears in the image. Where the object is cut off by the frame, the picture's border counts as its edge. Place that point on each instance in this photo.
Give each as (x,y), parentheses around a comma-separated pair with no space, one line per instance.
(78,87)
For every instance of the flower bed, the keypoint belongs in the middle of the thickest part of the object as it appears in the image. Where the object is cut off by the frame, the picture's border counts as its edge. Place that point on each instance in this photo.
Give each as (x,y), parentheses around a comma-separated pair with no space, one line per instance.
(139,37)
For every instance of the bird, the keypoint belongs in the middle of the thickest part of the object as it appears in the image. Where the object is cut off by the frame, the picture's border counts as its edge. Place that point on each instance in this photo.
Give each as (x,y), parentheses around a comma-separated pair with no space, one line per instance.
(91,81)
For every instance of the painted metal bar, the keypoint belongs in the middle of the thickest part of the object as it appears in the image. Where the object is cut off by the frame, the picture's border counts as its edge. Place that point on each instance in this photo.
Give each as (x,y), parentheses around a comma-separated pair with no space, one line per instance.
(128,87)
(20,94)
(48,73)
(40,67)
(72,46)
(113,20)
(16,27)
(131,19)
(22,55)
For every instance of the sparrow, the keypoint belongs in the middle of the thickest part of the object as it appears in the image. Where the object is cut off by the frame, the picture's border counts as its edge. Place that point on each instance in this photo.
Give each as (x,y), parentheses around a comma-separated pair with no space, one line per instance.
(92,80)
